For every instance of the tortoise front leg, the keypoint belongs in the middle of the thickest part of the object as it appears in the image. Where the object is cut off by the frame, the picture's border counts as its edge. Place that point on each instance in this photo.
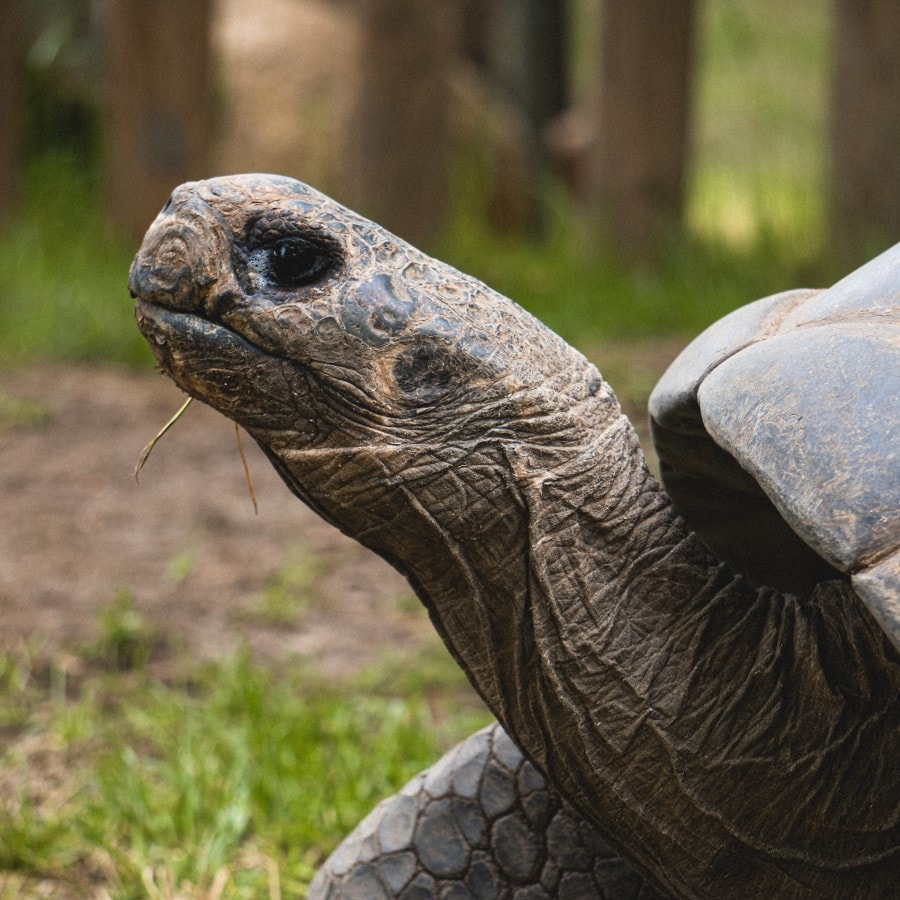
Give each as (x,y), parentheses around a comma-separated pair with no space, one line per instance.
(481,822)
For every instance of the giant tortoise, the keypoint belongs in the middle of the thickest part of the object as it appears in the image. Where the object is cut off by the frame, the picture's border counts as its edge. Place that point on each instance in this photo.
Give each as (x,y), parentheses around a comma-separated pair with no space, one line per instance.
(697,686)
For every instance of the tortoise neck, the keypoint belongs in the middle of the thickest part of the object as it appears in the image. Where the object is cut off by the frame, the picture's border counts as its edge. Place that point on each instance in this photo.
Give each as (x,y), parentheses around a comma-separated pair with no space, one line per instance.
(658,691)
(653,688)
(591,574)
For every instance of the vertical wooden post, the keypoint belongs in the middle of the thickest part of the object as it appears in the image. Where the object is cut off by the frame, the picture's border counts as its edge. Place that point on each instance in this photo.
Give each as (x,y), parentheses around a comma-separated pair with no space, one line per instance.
(159,93)
(643,119)
(395,157)
(864,183)
(547,52)
(10,106)
(527,61)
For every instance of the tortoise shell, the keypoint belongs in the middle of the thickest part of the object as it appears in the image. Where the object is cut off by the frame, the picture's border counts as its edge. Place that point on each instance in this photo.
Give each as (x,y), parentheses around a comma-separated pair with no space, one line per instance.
(778,432)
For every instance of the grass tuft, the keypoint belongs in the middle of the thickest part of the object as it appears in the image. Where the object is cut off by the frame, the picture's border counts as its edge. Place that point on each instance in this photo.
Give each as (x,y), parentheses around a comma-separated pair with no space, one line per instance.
(234,779)
(16,412)
(126,640)
(290,593)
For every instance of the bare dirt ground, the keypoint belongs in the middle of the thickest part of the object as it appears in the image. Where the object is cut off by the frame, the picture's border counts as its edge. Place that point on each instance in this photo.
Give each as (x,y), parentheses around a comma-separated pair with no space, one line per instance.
(77,532)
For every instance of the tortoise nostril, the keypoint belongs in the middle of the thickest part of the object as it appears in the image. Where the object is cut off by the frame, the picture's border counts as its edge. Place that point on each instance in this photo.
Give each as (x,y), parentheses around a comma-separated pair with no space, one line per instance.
(168,204)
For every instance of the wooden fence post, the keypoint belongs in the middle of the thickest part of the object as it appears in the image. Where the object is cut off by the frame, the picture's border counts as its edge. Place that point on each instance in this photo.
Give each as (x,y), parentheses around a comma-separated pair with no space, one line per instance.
(159,96)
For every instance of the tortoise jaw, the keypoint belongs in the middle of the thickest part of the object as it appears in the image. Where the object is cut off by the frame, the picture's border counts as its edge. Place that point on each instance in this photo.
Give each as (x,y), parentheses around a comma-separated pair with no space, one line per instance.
(165,327)
(208,361)
(181,341)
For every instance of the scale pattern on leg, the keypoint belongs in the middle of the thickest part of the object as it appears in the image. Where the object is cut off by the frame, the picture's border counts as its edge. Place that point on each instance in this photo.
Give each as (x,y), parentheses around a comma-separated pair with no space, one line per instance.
(479,823)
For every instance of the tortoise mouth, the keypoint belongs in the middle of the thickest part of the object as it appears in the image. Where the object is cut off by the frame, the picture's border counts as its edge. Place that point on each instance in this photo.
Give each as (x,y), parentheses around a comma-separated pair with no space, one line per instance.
(259,390)
(204,358)
(165,328)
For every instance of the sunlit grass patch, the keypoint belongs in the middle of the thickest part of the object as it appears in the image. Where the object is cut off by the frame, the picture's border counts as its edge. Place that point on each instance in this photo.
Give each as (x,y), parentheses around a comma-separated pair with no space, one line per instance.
(751,211)
(64,273)
(585,294)
(762,83)
(16,412)
(290,593)
(230,778)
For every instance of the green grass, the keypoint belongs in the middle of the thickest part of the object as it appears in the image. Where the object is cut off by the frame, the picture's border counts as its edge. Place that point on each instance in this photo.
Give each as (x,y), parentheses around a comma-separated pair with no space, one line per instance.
(290,593)
(18,413)
(762,88)
(227,776)
(761,100)
(585,294)
(64,274)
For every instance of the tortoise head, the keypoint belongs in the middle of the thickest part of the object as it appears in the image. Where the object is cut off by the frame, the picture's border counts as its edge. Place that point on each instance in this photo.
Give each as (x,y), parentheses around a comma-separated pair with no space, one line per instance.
(333,342)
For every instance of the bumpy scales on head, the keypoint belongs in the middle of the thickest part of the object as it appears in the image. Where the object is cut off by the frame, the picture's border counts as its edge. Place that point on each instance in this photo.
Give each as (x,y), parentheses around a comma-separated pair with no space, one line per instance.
(725,739)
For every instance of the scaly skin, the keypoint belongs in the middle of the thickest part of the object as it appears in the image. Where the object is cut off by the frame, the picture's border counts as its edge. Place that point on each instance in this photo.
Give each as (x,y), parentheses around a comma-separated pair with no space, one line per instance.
(727,741)
(480,823)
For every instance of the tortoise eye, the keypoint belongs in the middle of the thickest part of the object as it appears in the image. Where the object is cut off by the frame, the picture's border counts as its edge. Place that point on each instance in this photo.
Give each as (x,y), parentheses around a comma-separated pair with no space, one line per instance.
(292,262)
(296,261)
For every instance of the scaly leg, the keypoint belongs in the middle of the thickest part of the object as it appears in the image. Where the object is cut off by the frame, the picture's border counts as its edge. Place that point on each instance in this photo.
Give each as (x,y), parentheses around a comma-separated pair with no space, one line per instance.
(481,822)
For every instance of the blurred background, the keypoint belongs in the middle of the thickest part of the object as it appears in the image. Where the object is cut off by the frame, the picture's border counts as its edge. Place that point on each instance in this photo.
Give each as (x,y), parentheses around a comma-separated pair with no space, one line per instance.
(198,702)
(618,167)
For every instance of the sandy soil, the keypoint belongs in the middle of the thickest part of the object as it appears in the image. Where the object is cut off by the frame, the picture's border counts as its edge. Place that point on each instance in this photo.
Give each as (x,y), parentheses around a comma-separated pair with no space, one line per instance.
(77,531)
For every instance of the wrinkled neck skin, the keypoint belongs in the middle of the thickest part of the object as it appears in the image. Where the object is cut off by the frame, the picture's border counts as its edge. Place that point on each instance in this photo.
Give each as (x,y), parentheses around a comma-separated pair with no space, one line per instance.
(719,734)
